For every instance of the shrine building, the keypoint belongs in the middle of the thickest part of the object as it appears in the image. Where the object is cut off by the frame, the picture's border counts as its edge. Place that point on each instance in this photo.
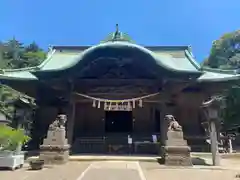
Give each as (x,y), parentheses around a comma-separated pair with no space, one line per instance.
(119,89)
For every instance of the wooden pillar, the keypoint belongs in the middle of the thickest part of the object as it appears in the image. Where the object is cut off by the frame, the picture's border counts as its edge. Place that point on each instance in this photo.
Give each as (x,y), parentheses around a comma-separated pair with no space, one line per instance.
(38,130)
(71,121)
(163,124)
(71,114)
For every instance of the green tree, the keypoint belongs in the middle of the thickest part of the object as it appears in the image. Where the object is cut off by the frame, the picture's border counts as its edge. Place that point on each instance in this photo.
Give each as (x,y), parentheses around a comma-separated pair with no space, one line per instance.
(17,55)
(33,55)
(232,101)
(225,52)
(33,58)
(6,95)
(33,47)
(14,54)
(3,61)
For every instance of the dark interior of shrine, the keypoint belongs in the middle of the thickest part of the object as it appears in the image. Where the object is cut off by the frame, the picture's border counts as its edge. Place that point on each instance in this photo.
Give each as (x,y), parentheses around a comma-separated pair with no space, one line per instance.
(118,121)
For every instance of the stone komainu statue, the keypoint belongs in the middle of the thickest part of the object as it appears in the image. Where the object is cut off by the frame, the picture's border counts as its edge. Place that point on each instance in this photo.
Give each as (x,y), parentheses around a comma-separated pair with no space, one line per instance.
(173,125)
(59,122)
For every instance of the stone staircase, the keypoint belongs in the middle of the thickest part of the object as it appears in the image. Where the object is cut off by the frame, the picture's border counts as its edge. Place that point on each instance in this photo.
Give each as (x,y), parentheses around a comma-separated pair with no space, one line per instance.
(95,145)
(115,144)
(143,144)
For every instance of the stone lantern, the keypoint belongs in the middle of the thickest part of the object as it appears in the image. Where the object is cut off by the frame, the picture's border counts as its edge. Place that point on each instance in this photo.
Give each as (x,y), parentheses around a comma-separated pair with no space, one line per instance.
(211,110)
(23,109)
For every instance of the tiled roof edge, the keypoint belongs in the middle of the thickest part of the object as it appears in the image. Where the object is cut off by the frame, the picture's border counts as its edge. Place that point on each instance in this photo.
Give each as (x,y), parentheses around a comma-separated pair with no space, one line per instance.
(223,71)
(63,47)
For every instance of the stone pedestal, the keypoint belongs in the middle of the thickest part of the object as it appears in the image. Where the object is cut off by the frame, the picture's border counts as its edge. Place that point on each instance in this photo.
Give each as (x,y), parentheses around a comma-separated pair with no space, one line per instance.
(176,150)
(55,148)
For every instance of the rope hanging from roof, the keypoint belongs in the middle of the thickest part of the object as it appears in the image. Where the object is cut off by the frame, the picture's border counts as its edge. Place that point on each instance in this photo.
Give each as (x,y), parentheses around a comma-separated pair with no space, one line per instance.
(124,104)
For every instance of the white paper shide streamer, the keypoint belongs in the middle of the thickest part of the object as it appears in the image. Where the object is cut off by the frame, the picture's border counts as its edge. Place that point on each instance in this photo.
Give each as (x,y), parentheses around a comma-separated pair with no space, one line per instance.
(94,103)
(99,104)
(116,105)
(140,104)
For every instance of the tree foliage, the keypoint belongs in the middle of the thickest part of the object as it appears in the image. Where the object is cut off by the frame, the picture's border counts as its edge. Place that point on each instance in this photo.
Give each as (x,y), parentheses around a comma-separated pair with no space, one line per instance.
(11,138)
(225,54)
(231,112)
(15,55)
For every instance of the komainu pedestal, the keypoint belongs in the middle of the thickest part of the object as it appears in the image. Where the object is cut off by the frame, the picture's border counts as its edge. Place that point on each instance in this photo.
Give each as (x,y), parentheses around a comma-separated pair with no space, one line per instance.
(55,147)
(176,150)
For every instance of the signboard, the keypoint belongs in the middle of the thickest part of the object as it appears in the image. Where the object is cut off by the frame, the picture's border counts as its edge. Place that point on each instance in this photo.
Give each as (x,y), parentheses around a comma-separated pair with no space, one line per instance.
(129,140)
(117,107)
(154,138)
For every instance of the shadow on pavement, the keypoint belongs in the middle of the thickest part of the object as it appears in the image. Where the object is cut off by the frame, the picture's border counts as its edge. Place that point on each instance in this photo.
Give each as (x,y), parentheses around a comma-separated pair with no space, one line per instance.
(195,161)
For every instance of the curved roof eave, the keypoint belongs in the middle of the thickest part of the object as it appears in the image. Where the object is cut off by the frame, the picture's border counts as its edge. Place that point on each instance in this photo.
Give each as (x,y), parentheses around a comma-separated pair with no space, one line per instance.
(209,76)
(119,44)
(18,74)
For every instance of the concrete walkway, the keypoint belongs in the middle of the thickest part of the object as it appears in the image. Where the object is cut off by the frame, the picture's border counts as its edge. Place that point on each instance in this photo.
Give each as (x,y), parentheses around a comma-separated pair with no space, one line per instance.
(113,170)
(154,158)
(123,170)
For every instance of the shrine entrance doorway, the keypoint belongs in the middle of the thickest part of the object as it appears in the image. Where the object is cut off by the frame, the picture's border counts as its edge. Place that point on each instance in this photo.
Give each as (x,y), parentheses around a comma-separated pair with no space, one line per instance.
(118,121)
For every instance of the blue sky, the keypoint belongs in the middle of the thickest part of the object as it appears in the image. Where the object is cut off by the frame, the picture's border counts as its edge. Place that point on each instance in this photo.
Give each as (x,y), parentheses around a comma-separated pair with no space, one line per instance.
(148,22)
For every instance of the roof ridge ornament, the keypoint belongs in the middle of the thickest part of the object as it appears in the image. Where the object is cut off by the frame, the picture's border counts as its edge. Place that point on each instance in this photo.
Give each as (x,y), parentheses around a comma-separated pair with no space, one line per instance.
(117,34)
(117,28)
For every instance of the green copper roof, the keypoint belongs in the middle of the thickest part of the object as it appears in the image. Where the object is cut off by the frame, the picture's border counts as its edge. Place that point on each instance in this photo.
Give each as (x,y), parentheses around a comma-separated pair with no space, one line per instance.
(218,75)
(20,74)
(66,59)
(173,59)
(59,60)
(178,64)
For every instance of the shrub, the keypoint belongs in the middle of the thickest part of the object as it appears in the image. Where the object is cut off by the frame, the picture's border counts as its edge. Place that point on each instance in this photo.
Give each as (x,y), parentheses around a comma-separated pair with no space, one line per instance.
(10,138)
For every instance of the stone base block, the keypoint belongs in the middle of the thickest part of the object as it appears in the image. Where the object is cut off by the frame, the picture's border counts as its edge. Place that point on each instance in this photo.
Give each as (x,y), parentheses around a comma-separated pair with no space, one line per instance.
(175,135)
(172,160)
(177,156)
(54,156)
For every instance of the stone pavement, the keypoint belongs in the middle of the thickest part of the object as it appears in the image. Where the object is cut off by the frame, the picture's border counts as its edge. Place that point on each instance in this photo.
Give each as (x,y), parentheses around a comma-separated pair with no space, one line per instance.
(70,171)
(153,171)
(113,170)
(121,170)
